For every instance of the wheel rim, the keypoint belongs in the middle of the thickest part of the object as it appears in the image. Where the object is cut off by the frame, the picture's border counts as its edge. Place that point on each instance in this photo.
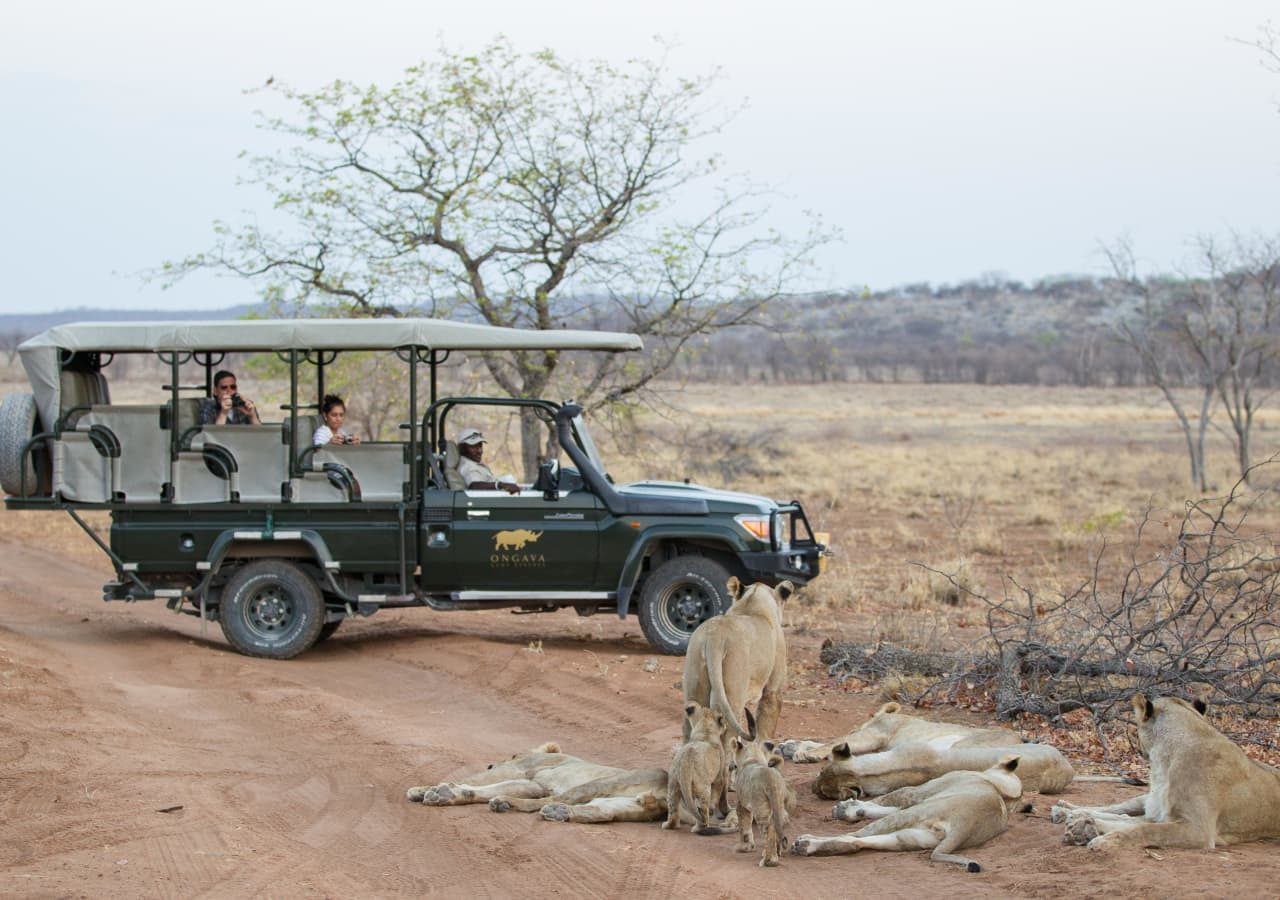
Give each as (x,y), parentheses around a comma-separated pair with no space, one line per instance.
(685,605)
(270,612)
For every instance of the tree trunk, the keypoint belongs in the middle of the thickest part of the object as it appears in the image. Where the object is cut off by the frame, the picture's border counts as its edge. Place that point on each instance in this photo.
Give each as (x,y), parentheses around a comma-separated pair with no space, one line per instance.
(532,433)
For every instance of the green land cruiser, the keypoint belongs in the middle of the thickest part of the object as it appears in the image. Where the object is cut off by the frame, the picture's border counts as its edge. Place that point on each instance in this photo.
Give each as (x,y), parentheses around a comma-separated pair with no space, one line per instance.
(280,541)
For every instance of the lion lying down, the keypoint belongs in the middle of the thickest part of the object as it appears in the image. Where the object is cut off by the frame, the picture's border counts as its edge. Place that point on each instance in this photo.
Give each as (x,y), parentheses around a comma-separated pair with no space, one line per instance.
(1204,790)
(892,750)
(953,812)
(890,727)
(1041,767)
(562,788)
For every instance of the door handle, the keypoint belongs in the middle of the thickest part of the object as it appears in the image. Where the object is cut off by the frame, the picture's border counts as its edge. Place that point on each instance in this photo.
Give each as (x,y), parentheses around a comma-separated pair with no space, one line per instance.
(477,514)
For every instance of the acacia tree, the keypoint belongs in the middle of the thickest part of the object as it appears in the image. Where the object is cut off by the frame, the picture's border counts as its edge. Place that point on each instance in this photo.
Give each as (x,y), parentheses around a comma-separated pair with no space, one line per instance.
(519,190)
(1146,329)
(1233,327)
(1217,329)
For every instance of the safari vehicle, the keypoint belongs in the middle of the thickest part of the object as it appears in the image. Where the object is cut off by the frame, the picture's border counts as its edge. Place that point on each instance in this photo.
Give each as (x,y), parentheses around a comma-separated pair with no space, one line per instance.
(280,542)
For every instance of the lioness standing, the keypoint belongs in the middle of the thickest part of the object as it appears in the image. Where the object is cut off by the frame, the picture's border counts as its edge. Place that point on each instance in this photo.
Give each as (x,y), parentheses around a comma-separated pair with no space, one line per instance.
(1204,790)
(739,659)
(699,770)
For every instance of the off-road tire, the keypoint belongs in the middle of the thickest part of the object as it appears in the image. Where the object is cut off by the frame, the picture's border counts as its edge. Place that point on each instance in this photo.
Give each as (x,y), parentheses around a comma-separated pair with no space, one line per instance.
(17,425)
(271,608)
(680,595)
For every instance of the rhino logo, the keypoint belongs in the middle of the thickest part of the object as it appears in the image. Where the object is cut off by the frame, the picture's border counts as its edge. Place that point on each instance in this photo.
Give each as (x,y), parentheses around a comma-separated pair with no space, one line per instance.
(515,540)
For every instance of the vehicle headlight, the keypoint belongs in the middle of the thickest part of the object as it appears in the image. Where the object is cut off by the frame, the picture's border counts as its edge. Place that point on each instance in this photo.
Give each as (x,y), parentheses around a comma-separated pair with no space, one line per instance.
(783,532)
(755,525)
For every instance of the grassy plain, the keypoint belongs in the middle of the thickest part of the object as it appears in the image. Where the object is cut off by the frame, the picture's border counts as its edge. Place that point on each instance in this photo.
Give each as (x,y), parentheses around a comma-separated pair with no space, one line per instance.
(995,481)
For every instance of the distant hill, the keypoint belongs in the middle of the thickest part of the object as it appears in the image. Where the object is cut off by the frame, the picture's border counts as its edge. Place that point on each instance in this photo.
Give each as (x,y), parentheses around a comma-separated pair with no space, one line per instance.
(28,324)
(1055,331)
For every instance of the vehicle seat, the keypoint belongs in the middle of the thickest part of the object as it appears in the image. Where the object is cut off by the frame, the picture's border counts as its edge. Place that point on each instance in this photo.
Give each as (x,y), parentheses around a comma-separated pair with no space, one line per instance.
(307,425)
(451,474)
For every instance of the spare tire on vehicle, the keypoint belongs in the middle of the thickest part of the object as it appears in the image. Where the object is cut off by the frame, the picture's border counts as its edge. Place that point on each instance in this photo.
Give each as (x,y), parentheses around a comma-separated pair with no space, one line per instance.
(17,425)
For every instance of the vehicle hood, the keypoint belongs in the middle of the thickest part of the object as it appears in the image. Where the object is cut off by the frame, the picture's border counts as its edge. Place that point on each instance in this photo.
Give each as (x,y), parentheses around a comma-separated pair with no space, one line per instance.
(716,499)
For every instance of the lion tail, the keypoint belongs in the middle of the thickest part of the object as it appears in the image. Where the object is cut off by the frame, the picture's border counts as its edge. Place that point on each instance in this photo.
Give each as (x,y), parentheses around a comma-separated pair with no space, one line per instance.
(780,820)
(548,747)
(719,702)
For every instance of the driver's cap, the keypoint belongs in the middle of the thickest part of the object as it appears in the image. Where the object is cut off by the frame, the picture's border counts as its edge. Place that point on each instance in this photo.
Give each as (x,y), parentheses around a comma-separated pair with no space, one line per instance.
(471,436)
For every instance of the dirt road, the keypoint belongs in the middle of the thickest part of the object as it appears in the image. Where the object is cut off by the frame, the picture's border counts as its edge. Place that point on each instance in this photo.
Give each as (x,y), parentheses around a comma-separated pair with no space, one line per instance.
(142,758)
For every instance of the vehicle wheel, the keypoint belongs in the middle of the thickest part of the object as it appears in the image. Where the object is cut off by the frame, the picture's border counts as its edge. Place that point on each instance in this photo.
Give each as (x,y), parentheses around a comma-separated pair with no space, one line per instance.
(328,628)
(680,595)
(271,608)
(17,425)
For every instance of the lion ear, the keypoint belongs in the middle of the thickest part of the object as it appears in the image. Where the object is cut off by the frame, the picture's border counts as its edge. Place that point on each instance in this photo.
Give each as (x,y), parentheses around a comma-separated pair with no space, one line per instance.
(734,586)
(785,590)
(1143,708)
(738,744)
(1200,706)
(1009,763)
(775,760)
(841,751)
(770,746)
(888,708)
(690,709)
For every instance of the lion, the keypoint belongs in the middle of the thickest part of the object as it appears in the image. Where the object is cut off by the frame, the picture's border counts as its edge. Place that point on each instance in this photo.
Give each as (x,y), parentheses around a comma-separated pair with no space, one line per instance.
(952,812)
(563,788)
(1204,790)
(740,658)
(699,771)
(890,727)
(1040,768)
(764,795)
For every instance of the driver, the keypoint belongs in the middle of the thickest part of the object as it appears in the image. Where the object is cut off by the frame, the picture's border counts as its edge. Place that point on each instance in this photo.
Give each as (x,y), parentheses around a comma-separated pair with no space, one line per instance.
(475,473)
(226,406)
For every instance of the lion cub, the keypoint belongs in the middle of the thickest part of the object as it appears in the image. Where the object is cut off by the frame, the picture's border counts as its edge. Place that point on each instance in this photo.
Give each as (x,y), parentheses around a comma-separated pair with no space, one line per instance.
(699,770)
(762,794)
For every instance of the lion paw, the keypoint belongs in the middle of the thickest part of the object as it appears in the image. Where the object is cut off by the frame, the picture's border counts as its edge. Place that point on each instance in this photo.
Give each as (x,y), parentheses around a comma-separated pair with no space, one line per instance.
(768,861)
(787,749)
(1080,830)
(415,793)
(556,812)
(729,822)
(848,811)
(440,795)
(1058,814)
(498,804)
(1104,842)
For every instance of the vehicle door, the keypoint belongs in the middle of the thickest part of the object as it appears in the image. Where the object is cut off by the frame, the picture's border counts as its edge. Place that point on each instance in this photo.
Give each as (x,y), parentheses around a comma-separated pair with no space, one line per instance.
(525,541)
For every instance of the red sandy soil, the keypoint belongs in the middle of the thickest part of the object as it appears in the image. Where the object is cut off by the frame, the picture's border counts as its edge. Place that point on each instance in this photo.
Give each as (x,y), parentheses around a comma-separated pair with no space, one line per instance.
(141,757)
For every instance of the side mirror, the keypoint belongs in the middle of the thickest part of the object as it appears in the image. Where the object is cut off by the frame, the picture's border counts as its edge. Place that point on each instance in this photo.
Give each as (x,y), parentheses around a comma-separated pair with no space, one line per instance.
(548,479)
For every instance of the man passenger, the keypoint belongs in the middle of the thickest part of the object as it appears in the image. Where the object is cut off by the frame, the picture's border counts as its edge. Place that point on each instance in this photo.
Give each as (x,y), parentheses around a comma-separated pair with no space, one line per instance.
(226,406)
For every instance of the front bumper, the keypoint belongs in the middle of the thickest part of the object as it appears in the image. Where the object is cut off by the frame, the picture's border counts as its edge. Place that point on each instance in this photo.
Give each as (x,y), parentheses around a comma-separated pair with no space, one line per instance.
(799,565)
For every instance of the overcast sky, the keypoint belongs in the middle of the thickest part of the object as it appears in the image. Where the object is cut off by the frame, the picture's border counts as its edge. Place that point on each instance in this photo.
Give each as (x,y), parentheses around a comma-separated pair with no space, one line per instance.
(946,138)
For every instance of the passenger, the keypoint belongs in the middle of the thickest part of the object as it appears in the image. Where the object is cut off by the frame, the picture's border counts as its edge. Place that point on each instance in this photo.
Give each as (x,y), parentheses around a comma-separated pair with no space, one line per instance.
(331,432)
(475,473)
(226,406)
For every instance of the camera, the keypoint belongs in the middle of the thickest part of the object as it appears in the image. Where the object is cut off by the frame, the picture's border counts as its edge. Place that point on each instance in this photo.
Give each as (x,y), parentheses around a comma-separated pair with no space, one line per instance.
(237,400)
